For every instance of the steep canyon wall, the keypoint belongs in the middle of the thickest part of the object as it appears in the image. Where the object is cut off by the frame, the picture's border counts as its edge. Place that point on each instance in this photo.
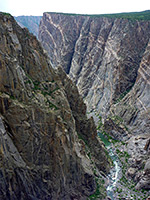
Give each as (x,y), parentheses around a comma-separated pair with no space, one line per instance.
(44,132)
(101,55)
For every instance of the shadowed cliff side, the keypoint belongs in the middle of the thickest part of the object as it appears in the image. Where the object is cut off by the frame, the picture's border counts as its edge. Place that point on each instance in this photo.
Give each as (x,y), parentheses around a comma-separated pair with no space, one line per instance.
(83,125)
(42,118)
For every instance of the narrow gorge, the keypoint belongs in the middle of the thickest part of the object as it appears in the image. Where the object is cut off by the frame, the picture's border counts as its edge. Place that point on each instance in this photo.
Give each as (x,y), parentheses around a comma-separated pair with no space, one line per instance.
(49,149)
(75,107)
(101,54)
(108,58)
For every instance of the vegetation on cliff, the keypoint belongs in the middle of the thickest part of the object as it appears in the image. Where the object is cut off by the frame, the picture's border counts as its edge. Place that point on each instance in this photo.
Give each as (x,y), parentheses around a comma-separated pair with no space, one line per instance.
(144,15)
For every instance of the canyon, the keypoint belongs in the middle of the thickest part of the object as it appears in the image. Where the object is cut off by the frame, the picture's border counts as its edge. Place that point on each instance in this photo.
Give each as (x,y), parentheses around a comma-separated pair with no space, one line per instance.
(49,149)
(108,58)
(49,143)
(101,55)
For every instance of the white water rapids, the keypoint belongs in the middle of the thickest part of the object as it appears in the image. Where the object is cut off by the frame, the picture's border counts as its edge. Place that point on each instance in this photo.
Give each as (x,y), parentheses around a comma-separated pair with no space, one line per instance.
(114,174)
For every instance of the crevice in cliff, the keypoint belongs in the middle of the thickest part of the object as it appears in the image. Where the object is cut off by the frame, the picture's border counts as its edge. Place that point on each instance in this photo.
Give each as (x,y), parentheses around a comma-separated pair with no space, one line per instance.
(70,61)
(104,45)
(73,51)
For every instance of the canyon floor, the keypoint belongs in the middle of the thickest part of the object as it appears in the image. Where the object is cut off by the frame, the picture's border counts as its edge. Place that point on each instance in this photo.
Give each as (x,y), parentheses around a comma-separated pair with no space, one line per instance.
(130,164)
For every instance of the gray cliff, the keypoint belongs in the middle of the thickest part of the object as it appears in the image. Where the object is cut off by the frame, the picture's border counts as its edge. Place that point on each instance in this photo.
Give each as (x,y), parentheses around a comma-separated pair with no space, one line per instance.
(101,55)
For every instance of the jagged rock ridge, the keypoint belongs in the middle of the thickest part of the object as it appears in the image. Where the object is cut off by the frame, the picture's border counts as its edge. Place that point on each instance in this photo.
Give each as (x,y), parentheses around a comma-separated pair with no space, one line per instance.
(42,117)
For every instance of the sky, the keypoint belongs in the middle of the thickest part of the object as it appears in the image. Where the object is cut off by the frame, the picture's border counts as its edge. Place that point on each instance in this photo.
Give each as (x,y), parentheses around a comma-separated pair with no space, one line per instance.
(37,7)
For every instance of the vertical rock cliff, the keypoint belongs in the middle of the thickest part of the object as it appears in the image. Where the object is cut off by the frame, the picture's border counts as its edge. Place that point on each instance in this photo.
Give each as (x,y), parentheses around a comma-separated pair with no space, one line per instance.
(133,111)
(101,54)
(135,106)
(44,132)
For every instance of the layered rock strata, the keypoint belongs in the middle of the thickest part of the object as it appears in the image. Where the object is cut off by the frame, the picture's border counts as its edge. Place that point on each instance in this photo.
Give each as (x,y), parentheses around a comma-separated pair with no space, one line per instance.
(42,117)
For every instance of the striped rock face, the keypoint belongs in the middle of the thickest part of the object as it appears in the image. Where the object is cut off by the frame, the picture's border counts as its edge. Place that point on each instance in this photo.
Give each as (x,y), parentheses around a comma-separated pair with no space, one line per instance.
(101,55)
(135,107)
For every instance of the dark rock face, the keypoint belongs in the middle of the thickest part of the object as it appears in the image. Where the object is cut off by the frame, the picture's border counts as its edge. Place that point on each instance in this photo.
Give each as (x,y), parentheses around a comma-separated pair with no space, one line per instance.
(30,22)
(41,117)
(101,55)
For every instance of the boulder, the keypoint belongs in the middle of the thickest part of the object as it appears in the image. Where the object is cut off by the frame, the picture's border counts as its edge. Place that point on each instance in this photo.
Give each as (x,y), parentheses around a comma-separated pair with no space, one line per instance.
(131,172)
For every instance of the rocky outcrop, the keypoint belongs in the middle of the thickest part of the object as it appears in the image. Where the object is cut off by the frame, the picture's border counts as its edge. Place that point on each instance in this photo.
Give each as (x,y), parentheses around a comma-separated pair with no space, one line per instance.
(101,54)
(138,161)
(44,131)
(30,22)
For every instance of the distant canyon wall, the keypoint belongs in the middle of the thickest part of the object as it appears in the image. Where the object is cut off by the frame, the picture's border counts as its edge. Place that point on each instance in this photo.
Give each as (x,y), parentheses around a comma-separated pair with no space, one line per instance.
(101,55)
(30,22)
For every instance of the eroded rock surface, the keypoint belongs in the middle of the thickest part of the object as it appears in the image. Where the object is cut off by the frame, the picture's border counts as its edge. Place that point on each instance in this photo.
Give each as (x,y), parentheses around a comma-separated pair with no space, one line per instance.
(138,161)
(109,60)
(42,117)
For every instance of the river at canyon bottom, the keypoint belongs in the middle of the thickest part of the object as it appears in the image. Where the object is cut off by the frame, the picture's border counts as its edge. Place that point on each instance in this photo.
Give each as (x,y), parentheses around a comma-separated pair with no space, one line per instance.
(115,172)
